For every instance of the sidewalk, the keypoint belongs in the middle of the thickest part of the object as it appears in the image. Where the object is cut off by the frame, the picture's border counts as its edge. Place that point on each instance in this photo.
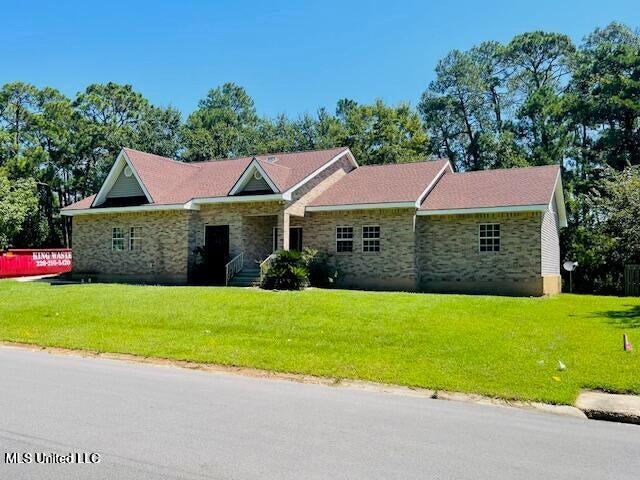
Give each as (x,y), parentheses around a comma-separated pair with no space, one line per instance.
(609,406)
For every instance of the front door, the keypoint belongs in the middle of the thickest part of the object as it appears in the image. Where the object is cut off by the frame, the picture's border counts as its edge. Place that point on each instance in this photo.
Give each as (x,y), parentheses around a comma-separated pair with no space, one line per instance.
(295,238)
(216,244)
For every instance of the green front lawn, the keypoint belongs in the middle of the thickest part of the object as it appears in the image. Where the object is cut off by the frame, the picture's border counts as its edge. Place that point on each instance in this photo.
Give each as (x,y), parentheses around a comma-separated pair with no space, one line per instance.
(504,347)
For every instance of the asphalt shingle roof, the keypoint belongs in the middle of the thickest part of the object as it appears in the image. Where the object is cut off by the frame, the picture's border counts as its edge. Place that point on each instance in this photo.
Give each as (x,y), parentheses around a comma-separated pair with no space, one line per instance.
(172,182)
(493,188)
(402,182)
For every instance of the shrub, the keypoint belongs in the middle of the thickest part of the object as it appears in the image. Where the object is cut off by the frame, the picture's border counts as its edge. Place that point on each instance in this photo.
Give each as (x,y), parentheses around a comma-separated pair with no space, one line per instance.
(293,270)
(203,271)
(288,271)
(321,273)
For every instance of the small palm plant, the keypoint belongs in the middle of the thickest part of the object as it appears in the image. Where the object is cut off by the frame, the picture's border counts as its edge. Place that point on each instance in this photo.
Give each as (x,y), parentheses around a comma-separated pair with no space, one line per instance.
(288,271)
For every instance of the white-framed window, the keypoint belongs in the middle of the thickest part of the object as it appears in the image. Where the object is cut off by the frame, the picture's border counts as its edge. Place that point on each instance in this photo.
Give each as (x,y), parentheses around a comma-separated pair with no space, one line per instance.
(489,237)
(371,238)
(117,239)
(135,238)
(344,239)
(274,240)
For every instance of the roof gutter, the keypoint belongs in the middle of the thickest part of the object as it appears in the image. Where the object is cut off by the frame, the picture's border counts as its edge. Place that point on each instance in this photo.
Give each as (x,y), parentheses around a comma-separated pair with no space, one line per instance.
(502,209)
(140,208)
(359,206)
(193,204)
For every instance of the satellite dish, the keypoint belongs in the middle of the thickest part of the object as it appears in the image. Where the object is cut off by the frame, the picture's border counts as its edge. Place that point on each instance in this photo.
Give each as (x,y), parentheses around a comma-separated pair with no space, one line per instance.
(127,171)
(569,266)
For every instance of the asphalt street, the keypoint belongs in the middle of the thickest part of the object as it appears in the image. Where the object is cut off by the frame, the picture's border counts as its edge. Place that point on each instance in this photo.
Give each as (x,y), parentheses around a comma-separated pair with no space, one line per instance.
(150,422)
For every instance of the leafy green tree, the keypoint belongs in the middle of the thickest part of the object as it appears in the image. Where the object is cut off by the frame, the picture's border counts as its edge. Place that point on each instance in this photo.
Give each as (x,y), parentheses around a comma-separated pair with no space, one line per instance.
(18,201)
(380,133)
(224,125)
(604,99)
(108,116)
(457,96)
(540,63)
(16,104)
(38,123)
(159,132)
(277,135)
(609,236)
(467,109)
(52,158)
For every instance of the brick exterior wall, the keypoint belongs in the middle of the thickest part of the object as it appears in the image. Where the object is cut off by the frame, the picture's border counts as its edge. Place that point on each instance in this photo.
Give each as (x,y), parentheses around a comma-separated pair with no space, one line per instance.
(440,254)
(307,192)
(163,257)
(393,268)
(433,253)
(250,227)
(449,259)
(343,164)
(169,240)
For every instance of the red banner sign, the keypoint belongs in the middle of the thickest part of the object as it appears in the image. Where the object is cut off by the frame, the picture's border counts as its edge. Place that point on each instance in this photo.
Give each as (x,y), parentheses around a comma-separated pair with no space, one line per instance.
(20,263)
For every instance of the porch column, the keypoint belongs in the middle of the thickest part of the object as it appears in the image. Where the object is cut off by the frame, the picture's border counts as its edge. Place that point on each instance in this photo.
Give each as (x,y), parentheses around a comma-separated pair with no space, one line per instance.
(283,231)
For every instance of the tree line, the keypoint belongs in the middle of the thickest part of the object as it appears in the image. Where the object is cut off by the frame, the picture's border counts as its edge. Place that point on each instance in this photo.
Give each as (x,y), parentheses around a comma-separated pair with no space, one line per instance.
(538,99)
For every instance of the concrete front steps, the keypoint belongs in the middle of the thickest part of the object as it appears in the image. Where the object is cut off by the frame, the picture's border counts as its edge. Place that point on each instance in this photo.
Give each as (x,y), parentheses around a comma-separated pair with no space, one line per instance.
(247,277)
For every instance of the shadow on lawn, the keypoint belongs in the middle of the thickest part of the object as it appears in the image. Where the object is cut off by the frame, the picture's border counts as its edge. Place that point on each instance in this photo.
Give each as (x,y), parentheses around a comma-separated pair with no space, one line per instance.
(629,318)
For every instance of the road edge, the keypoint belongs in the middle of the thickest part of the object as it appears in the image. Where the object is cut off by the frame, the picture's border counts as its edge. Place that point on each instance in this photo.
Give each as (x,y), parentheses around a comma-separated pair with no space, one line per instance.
(564,410)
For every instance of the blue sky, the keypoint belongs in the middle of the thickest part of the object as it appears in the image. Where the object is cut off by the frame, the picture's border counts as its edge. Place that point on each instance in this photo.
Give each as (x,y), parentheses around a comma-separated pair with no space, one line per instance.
(292,57)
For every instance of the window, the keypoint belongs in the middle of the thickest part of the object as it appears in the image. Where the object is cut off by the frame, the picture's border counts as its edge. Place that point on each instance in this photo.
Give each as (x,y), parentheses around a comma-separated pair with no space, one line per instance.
(489,237)
(344,239)
(371,239)
(274,240)
(117,239)
(295,238)
(135,238)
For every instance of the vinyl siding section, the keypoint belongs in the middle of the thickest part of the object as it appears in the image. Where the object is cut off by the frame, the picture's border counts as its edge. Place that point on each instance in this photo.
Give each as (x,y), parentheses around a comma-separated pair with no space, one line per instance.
(550,242)
(125,187)
(256,185)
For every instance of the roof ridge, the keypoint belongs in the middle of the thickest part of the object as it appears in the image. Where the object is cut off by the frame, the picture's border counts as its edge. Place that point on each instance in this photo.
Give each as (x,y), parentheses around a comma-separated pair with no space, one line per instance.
(529,167)
(402,163)
(160,156)
(266,162)
(268,154)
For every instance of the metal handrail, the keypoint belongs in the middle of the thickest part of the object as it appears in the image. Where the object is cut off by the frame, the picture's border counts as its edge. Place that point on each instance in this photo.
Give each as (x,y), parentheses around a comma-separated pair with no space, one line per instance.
(234,266)
(265,264)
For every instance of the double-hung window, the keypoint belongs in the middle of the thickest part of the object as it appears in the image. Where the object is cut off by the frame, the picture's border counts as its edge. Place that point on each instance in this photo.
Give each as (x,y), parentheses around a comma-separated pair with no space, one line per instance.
(135,238)
(117,239)
(489,236)
(344,239)
(371,238)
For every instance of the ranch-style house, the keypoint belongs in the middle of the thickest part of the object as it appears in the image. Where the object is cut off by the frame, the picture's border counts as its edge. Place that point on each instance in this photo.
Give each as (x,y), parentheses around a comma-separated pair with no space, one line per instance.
(412,226)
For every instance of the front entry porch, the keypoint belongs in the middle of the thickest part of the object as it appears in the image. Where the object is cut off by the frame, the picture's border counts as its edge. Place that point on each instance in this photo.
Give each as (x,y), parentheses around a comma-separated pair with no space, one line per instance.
(262,237)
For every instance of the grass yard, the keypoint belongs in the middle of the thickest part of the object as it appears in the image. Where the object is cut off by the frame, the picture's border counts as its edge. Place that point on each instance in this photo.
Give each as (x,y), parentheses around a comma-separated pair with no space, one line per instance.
(504,347)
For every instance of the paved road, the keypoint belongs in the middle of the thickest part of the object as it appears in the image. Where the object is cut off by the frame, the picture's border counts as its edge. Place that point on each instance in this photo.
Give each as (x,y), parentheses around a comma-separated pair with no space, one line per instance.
(162,422)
